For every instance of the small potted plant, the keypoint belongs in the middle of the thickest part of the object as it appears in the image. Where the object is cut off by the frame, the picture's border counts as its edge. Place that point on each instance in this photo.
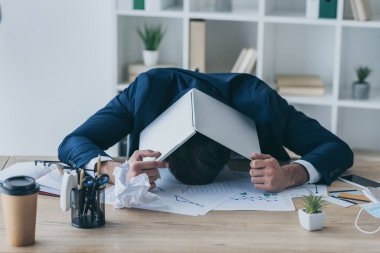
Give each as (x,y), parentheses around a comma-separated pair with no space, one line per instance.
(311,217)
(360,88)
(151,37)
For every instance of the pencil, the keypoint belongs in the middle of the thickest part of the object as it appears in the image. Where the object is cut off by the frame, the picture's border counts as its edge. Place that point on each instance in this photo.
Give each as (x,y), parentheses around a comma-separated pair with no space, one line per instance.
(81,179)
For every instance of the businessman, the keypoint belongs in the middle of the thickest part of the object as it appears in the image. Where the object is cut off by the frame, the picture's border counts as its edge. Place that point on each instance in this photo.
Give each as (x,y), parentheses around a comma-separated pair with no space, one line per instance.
(323,155)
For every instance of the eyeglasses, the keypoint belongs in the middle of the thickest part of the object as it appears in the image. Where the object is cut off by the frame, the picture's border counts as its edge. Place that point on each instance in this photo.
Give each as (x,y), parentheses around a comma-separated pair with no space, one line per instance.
(54,169)
(51,168)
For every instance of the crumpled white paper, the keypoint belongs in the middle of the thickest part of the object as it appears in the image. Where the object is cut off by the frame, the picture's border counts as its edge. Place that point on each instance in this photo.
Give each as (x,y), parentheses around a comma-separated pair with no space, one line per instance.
(134,193)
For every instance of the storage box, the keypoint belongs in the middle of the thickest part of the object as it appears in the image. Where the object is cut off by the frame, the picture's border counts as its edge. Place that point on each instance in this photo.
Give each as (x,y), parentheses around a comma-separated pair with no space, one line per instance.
(198,112)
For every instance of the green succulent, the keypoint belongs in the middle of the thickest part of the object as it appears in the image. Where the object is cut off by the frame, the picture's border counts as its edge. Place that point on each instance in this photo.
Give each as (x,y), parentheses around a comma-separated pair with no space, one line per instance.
(362,73)
(312,203)
(151,36)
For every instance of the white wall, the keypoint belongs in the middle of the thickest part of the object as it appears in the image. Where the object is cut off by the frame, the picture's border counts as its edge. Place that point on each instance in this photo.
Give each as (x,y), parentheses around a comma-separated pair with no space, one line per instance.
(56,69)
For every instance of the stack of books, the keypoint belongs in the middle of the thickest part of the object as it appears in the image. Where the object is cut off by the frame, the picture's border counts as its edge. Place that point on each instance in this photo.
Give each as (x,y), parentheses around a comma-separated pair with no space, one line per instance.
(246,61)
(361,9)
(136,69)
(300,85)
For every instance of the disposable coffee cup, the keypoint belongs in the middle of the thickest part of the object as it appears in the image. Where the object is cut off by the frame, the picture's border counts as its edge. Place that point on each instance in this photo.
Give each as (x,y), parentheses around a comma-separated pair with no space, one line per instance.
(19,199)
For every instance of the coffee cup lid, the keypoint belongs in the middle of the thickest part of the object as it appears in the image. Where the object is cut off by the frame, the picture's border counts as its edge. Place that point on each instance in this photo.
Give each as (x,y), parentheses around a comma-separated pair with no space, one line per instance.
(20,185)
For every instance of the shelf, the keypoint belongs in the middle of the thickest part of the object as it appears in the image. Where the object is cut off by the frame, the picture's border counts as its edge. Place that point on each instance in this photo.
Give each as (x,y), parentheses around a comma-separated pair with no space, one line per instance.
(301,20)
(369,104)
(231,16)
(372,103)
(288,51)
(373,23)
(157,14)
(325,100)
(367,40)
(287,42)
(286,14)
(239,8)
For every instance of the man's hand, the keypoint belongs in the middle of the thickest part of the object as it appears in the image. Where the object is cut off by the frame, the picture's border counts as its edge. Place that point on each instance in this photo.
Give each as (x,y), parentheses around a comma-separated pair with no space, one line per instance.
(137,166)
(267,174)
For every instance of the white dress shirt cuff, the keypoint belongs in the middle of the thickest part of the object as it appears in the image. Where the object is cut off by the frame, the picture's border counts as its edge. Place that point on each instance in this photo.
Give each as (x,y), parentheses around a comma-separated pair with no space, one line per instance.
(314,175)
(90,166)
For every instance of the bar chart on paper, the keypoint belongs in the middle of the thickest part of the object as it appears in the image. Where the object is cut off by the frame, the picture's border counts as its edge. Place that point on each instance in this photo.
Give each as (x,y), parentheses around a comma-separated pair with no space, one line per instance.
(213,188)
(232,190)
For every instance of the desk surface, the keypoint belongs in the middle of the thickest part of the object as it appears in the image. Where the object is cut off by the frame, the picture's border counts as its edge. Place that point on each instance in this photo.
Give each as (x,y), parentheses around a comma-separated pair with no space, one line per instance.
(219,231)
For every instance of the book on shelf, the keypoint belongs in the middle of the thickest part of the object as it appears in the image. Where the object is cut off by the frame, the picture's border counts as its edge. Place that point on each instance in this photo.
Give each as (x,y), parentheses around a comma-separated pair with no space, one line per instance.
(354,10)
(301,91)
(361,10)
(136,69)
(312,8)
(300,85)
(239,60)
(139,4)
(290,80)
(246,61)
(328,8)
(48,176)
(197,45)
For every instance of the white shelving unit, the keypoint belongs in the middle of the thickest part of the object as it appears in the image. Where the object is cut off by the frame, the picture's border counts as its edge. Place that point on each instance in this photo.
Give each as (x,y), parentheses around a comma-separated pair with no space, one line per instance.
(286,41)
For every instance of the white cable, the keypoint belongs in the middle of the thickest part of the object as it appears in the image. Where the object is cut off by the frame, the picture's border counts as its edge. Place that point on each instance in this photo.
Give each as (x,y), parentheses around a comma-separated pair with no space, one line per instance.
(361,230)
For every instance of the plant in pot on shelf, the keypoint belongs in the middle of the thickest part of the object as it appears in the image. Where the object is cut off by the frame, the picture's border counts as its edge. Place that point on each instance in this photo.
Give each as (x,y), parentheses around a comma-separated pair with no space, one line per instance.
(360,88)
(311,217)
(151,37)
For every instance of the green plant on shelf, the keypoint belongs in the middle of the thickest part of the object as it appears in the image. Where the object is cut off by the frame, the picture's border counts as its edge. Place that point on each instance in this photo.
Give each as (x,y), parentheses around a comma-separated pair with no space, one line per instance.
(312,203)
(362,73)
(151,36)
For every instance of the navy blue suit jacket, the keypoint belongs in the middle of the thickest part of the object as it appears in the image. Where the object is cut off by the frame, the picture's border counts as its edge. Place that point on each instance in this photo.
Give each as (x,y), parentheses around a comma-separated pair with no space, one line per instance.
(278,124)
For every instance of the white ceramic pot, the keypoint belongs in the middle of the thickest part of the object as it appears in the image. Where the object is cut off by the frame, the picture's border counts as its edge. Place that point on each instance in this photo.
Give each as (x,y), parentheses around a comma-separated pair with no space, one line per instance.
(313,221)
(150,57)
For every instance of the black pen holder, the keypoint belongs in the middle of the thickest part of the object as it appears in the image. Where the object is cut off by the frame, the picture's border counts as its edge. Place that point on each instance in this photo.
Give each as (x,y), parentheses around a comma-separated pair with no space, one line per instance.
(87,207)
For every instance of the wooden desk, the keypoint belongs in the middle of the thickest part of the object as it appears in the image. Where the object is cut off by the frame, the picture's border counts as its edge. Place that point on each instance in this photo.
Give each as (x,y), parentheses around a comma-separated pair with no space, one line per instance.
(132,230)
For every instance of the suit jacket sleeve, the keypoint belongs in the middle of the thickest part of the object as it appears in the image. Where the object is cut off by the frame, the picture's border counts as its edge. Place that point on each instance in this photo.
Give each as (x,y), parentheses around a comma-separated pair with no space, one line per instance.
(101,131)
(306,137)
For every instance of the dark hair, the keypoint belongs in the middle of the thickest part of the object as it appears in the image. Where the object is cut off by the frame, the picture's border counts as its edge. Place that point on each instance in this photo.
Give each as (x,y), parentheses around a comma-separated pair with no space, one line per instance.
(198,161)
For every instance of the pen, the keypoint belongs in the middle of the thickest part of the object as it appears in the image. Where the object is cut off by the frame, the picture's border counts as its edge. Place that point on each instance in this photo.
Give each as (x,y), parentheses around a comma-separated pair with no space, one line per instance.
(352,202)
(98,166)
(343,191)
